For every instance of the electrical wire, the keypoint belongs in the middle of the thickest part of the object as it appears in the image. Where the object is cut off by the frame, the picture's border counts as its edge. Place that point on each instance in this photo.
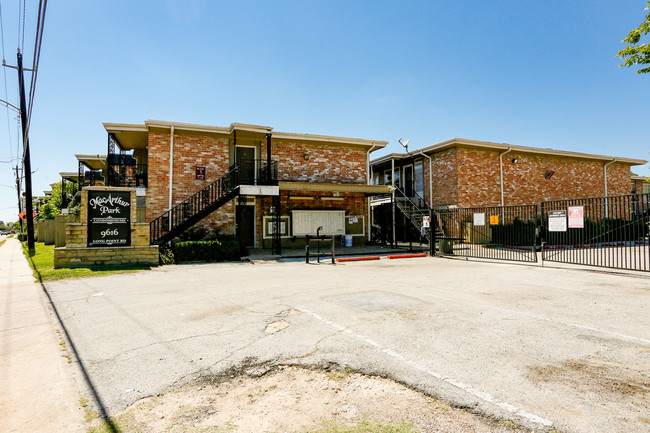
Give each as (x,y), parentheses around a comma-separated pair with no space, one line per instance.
(22,48)
(4,70)
(42,6)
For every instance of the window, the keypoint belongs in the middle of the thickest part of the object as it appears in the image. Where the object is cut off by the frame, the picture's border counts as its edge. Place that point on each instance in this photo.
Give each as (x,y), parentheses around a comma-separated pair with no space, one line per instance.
(387,178)
(375,178)
(419,177)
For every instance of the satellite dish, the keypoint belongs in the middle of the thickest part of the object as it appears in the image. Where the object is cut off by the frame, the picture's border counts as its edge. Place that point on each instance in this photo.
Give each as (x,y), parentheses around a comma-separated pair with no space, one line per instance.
(405,144)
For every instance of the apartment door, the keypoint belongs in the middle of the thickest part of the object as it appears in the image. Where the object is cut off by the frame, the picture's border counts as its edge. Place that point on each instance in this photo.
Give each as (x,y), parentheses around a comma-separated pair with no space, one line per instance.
(245,160)
(408,181)
(245,225)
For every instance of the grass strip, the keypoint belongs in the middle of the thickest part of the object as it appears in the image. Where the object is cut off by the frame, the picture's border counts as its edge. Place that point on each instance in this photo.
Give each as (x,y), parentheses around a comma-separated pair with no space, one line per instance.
(42,263)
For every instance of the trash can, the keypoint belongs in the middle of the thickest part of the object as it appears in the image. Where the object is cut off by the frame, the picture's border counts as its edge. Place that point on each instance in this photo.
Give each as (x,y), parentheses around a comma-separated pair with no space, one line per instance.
(348,240)
(446,246)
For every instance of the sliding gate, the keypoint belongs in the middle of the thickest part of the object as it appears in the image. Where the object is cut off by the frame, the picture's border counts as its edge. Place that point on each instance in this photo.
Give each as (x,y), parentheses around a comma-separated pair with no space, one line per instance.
(500,232)
(609,232)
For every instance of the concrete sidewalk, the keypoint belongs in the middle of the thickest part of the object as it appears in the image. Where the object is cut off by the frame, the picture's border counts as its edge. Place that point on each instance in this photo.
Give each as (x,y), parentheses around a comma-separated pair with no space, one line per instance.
(37,389)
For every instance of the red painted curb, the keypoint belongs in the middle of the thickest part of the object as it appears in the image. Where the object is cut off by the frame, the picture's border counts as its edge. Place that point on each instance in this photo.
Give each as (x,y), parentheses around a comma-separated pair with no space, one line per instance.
(357,259)
(407,256)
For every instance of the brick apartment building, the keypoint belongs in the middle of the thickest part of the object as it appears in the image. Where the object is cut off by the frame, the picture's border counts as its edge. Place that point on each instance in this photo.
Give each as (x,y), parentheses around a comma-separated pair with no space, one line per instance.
(295,180)
(469,173)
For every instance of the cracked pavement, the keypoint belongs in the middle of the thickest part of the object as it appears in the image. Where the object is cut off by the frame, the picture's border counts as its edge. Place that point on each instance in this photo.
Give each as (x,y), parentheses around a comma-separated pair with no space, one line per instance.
(542,346)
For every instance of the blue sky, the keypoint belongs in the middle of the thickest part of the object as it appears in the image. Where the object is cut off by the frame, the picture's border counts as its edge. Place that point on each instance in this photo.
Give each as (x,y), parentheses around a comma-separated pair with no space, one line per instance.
(529,73)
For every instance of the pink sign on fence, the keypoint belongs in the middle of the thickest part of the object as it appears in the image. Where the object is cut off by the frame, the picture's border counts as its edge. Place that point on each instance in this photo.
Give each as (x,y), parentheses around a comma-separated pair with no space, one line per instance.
(576,217)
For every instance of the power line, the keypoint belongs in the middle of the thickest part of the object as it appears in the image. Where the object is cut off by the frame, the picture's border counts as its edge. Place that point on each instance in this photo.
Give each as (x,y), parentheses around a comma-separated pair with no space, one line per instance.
(4,70)
(22,48)
(42,6)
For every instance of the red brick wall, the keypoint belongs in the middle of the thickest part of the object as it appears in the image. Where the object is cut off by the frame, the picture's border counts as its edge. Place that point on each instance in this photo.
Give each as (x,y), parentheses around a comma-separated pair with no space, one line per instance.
(190,150)
(525,181)
(478,173)
(639,185)
(444,167)
(327,163)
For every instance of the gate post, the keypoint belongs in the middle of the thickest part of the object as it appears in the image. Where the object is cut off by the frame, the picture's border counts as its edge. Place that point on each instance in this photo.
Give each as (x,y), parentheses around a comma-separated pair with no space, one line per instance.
(432,234)
(542,236)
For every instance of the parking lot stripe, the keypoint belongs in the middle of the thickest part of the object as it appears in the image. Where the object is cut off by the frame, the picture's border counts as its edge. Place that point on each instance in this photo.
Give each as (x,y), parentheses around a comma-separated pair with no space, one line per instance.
(395,355)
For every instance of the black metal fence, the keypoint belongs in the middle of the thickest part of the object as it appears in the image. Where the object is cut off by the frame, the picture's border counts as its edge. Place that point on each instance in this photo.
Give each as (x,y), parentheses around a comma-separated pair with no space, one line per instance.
(608,232)
(500,232)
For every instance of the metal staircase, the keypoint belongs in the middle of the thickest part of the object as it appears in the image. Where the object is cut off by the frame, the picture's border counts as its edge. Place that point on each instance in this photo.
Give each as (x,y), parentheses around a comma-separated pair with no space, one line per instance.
(193,209)
(415,209)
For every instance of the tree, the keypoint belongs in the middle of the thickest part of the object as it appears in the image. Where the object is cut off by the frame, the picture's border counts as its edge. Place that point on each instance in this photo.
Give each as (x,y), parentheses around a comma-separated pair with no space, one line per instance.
(635,53)
(54,203)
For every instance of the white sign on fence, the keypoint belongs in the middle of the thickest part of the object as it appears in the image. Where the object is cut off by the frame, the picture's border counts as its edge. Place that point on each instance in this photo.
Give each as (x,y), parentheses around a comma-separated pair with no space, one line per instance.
(479,219)
(426,222)
(557,221)
(576,217)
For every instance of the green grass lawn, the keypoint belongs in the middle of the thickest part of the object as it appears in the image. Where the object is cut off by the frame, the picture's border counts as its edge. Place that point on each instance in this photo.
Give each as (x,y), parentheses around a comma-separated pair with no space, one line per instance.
(42,262)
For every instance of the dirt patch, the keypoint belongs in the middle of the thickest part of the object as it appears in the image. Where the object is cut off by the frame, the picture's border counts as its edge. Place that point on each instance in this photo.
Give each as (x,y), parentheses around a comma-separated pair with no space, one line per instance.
(294,399)
(595,376)
(599,381)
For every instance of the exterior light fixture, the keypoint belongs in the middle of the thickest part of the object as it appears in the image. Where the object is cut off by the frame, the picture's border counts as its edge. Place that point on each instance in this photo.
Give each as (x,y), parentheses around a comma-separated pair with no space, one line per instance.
(548,174)
(306,156)
(515,160)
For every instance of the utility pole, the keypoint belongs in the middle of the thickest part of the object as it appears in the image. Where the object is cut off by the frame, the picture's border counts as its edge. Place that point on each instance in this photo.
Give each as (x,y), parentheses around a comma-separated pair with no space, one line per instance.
(20,202)
(29,210)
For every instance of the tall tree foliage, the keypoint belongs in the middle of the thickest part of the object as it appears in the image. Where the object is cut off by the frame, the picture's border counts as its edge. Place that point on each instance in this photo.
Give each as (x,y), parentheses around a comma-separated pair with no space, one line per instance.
(635,53)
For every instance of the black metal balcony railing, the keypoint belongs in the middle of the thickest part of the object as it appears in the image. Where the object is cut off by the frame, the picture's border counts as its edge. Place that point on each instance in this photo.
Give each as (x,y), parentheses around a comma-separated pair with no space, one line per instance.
(127,176)
(92,178)
(257,172)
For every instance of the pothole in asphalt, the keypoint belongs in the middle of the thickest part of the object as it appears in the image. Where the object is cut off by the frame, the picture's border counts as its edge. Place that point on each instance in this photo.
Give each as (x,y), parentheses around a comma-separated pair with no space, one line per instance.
(274,327)
(300,400)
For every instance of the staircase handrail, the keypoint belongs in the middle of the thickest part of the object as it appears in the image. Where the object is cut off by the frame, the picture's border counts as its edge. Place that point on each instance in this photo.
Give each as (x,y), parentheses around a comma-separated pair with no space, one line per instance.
(409,199)
(200,201)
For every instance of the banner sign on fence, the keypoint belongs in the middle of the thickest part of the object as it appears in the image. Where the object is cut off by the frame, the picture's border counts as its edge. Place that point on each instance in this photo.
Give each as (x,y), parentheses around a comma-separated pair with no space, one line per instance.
(576,217)
(479,219)
(109,219)
(557,221)
(494,220)
(426,222)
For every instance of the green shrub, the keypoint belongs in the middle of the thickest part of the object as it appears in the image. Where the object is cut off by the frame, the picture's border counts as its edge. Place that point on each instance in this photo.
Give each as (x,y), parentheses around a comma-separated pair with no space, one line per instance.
(166,256)
(519,233)
(206,251)
(602,231)
(22,237)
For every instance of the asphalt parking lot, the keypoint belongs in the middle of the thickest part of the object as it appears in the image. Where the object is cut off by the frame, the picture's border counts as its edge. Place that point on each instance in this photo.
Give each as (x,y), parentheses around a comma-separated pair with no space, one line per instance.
(546,347)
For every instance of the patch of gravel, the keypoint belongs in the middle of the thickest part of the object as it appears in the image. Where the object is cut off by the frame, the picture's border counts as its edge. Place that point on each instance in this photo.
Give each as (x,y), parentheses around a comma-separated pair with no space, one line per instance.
(294,399)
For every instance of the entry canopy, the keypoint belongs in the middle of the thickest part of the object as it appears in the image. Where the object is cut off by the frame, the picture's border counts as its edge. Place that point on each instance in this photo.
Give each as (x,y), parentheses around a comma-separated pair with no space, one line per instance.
(93,162)
(128,136)
(69,175)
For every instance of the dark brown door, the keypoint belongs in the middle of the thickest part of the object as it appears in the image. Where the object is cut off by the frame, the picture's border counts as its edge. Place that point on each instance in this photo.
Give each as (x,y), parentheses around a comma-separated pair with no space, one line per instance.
(245,160)
(245,223)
